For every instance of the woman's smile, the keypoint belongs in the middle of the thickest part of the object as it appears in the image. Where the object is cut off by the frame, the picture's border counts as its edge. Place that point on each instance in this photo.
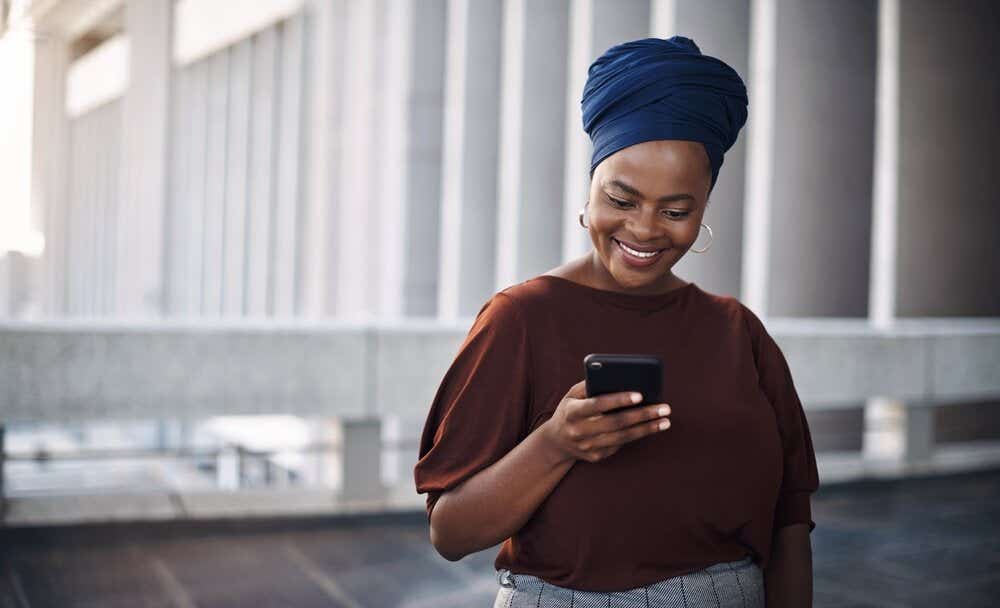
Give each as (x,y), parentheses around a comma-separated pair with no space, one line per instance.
(637,256)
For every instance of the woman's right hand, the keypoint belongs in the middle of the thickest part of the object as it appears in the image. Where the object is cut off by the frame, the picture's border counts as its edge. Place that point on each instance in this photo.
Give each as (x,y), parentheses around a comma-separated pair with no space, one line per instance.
(590,428)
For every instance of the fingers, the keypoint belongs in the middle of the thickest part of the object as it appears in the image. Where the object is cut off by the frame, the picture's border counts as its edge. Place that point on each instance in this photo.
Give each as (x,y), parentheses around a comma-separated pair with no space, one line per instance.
(593,428)
(592,406)
(599,439)
(614,420)
(615,439)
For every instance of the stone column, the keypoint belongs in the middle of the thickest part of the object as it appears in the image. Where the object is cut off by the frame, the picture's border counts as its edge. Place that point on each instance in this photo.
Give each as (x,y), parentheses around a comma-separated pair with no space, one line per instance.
(33,154)
(49,161)
(362,445)
(885,190)
(213,209)
(261,186)
(324,105)
(145,129)
(760,151)
(823,145)
(404,242)
(356,257)
(466,275)
(949,92)
(533,138)
(237,178)
(288,193)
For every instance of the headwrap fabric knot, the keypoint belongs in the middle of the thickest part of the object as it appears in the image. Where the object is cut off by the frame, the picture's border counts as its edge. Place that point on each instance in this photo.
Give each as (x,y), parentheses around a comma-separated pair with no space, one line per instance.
(653,89)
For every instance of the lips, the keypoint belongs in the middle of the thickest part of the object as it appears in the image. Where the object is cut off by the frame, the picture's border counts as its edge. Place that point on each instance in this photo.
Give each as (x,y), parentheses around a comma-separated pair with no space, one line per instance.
(633,255)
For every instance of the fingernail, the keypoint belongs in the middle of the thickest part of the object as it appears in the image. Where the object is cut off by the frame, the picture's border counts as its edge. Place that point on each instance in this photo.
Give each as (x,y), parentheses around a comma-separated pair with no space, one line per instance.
(663,411)
(664,425)
(636,397)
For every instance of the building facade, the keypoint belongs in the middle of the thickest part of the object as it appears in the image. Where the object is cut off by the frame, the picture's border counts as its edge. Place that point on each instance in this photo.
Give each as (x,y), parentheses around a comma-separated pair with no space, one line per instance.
(386,158)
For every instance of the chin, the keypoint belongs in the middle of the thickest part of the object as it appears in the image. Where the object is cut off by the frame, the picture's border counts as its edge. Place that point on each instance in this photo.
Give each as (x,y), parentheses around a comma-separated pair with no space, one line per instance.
(631,279)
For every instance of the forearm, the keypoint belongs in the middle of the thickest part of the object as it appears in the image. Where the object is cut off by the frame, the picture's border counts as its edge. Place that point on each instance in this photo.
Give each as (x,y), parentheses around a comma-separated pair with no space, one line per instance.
(788,578)
(496,502)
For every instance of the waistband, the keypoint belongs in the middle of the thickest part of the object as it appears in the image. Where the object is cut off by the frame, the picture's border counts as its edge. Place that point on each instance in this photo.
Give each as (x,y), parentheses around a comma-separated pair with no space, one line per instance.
(513,580)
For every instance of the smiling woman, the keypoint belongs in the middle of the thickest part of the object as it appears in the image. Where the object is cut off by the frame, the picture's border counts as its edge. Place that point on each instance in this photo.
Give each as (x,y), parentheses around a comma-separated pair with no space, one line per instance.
(702,499)
(648,203)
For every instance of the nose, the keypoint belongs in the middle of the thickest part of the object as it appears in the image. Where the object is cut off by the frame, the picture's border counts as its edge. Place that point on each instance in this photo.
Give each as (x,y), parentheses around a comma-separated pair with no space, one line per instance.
(645,225)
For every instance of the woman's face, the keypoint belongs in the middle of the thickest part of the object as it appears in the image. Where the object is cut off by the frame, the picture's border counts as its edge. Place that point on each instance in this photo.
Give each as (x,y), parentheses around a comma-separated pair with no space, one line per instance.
(649,198)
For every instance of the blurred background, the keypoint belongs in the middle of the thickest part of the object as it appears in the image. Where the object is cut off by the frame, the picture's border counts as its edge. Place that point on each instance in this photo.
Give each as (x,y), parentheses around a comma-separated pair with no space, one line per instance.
(240,243)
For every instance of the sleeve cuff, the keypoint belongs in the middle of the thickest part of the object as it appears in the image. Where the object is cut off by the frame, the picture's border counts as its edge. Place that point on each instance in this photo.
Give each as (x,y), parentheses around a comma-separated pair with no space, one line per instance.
(793,508)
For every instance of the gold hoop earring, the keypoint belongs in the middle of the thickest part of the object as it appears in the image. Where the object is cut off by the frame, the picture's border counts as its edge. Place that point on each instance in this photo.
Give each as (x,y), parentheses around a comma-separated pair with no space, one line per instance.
(711,237)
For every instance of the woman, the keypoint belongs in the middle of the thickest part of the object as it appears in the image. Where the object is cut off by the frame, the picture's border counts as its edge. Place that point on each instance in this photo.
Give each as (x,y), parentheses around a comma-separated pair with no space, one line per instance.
(699,501)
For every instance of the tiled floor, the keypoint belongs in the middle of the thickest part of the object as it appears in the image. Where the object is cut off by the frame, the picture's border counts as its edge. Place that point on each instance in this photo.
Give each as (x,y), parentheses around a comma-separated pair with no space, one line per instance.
(926,542)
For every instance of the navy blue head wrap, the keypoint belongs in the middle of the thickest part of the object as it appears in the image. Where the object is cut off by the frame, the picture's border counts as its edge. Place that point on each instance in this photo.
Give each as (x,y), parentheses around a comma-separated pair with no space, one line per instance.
(654,89)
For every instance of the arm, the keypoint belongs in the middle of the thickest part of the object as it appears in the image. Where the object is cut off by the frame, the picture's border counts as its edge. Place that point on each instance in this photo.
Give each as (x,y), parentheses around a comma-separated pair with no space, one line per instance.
(496,502)
(788,577)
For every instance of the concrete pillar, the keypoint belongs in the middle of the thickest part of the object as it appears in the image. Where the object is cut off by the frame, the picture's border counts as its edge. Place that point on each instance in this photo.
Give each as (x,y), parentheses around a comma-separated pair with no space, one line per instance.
(404,246)
(721,28)
(466,275)
(919,434)
(755,279)
(106,210)
(354,227)
(885,189)
(949,92)
(33,152)
(595,25)
(260,189)
(823,145)
(49,158)
(213,208)
(229,465)
(883,439)
(237,179)
(285,252)
(324,104)
(362,441)
(533,138)
(195,198)
(898,434)
(145,128)
(800,66)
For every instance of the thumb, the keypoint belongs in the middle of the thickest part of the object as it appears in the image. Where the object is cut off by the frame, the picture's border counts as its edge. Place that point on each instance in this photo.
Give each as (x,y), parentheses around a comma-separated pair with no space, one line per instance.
(578,390)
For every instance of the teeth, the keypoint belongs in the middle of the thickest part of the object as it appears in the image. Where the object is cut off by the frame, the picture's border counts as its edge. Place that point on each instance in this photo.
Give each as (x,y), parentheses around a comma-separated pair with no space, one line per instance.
(638,254)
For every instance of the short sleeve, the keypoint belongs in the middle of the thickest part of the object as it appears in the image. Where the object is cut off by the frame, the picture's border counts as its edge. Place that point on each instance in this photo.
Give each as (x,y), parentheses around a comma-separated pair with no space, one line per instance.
(479,412)
(800,477)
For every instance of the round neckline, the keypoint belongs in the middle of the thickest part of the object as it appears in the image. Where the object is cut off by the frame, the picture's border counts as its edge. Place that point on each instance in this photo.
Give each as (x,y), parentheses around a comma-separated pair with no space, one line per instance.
(628,300)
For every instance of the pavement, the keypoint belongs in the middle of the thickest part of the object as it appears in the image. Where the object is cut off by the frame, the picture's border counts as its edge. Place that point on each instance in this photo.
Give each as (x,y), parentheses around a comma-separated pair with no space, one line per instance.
(920,542)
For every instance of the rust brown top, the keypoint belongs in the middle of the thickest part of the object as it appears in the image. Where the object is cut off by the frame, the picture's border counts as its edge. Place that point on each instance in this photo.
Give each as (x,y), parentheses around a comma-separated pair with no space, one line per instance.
(737,463)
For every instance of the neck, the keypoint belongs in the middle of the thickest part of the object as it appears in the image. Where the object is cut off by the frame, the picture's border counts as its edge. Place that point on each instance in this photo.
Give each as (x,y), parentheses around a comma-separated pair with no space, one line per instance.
(597,275)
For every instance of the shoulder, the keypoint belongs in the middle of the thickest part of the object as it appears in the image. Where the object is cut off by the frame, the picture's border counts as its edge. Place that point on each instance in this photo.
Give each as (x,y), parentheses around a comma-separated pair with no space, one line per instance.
(722,304)
(515,303)
(730,310)
(533,294)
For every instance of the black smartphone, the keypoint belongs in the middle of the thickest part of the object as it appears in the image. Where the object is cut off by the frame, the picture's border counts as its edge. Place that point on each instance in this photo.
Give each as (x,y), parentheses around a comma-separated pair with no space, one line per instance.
(607,373)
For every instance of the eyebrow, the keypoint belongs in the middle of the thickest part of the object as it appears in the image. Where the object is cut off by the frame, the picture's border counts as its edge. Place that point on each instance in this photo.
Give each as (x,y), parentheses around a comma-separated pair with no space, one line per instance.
(669,198)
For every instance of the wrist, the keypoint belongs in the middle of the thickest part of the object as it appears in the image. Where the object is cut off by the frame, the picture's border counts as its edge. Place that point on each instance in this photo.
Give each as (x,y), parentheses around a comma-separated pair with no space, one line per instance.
(553,454)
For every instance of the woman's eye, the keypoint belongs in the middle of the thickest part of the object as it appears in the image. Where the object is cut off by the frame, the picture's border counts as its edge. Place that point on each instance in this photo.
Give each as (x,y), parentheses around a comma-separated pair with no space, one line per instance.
(676,215)
(618,203)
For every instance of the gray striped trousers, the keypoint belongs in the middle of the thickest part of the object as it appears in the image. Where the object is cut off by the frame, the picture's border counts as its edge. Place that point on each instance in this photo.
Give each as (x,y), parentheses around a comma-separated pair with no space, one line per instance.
(738,584)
